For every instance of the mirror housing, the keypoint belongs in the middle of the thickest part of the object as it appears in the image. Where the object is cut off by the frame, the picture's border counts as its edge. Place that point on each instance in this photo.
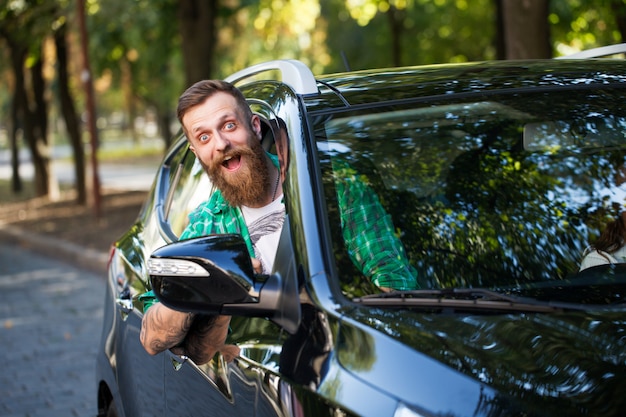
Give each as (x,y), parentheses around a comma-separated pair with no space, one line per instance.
(214,275)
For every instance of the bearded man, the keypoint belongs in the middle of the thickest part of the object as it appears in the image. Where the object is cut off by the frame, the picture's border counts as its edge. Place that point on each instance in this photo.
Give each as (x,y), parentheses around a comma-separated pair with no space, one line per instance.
(225,136)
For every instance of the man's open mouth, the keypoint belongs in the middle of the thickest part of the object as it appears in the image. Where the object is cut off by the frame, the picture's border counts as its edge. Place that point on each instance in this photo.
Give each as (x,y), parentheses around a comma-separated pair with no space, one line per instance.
(232,163)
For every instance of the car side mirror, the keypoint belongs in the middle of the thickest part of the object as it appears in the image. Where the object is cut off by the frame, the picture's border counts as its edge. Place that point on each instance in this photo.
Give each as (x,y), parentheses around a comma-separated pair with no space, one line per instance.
(214,275)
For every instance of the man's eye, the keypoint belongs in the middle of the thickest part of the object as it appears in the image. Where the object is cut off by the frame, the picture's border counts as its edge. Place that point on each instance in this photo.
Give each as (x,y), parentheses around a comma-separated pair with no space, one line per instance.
(204,138)
(229,126)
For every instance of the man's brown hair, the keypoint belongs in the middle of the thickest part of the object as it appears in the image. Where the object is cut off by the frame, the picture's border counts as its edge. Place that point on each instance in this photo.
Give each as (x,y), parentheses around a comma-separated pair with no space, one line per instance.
(202,90)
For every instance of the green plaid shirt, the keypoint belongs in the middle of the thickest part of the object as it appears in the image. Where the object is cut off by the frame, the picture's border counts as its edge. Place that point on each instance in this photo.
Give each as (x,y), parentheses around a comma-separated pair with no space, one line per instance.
(369,233)
(368,230)
(211,217)
(216,216)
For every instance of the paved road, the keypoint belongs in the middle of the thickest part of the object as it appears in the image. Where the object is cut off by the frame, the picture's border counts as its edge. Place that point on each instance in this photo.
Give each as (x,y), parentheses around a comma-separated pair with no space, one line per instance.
(50,317)
(51,311)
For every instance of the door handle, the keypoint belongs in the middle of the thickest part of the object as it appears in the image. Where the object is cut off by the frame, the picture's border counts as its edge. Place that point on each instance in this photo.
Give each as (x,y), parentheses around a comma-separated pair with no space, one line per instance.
(125,306)
(124,303)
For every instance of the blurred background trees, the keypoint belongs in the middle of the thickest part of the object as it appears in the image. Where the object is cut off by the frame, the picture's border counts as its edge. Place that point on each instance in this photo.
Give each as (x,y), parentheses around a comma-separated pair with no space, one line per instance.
(144,53)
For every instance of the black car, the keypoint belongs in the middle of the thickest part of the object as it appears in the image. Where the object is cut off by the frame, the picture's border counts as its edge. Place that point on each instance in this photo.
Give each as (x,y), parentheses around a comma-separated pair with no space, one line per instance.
(496,175)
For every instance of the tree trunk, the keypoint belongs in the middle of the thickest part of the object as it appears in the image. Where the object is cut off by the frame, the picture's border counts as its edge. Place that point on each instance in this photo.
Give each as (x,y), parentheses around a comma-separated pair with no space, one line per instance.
(499,41)
(619,9)
(197,22)
(16,181)
(18,56)
(164,121)
(72,123)
(38,137)
(526,30)
(27,119)
(129,98)
(396,22)
(90,107)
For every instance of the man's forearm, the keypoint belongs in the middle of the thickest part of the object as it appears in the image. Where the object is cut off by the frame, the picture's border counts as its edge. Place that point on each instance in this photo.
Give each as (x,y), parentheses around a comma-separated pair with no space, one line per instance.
(163,328)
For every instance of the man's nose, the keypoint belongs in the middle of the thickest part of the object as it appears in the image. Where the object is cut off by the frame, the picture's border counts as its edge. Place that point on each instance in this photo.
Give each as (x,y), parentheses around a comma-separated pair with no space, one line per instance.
(221,142)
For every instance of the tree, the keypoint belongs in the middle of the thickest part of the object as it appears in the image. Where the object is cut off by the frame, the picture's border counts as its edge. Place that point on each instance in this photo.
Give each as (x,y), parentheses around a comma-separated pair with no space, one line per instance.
(523,29)
(72,123)
(379,33)
(618,7)
(148,51)
(24,25)
(142,49)
(272,29)
(395,11)
(139,52)
(577,25)
(197,23)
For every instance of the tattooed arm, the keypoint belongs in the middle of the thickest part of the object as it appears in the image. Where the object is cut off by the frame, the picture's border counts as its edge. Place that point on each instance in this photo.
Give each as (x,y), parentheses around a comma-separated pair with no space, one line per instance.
(163,328)
(198,337)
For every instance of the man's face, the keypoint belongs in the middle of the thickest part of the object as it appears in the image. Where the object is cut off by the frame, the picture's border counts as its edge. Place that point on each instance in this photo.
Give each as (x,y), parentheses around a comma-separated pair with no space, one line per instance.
(229,149)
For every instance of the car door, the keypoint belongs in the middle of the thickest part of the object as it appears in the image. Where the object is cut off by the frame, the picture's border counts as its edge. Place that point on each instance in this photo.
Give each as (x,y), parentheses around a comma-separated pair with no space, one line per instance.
(139,375)
(247,385)
(243,387)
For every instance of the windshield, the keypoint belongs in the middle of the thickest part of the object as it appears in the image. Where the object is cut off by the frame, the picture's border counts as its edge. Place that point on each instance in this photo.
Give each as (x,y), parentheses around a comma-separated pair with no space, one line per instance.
(497,192)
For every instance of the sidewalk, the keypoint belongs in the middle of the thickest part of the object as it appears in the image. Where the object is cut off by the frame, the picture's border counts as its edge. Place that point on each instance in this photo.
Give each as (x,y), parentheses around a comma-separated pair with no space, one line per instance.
(54,248)
(51,316)
(53,258)
(67,231)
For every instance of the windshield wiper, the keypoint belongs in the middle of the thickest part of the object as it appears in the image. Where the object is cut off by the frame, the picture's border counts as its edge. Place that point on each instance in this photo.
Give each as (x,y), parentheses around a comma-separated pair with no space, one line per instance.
(465,298)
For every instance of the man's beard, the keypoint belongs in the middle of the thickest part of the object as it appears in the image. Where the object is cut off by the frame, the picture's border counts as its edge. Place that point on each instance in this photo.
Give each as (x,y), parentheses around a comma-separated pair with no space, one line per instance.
(248,186)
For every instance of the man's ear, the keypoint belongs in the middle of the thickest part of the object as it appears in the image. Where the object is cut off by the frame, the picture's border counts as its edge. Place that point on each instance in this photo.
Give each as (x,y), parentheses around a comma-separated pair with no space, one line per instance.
(189,141)
(256,126)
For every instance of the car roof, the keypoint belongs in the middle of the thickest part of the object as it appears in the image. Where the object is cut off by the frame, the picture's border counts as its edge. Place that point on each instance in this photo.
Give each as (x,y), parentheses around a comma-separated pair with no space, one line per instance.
(435,82)
(367,88)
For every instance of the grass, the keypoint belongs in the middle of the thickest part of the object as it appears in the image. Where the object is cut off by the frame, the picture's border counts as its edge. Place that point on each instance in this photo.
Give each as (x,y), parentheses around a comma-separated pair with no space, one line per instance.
(128,154)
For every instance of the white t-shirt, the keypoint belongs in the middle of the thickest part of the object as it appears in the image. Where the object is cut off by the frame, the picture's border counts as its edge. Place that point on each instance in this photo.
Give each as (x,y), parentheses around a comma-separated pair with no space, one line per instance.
(594,258)
(264,226)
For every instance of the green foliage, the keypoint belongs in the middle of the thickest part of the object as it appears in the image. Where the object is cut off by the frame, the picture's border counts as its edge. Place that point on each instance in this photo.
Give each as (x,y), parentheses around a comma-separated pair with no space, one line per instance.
(577,25)
(273,29)
(430,31)
(27,22)
(134,47)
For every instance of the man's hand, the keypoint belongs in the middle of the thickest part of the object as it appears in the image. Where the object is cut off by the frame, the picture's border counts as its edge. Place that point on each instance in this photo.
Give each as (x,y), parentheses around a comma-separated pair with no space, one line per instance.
(197,337)
(256,264)
(163,328)
(206,337)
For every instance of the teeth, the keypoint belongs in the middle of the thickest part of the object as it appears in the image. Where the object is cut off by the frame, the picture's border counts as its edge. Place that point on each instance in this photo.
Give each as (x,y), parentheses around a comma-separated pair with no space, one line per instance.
(228,158)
